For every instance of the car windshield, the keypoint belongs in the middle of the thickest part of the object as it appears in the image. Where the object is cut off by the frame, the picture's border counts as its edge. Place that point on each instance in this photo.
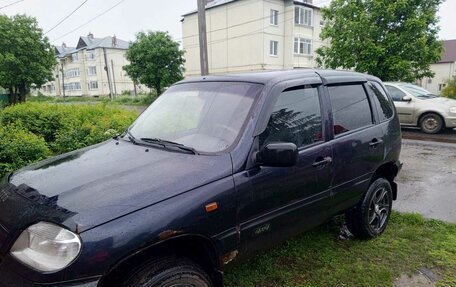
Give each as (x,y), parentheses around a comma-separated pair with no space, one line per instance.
(205,116)
(417,91)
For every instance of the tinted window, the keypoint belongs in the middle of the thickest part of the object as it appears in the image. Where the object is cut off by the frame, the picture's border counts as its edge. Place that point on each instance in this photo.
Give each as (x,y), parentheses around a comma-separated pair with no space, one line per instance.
(350,107)
(296,118)
(381,101)
(395,93)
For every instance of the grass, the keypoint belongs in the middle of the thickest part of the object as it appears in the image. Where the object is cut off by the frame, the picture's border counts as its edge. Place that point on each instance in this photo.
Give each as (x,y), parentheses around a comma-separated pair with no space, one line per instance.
(318,258)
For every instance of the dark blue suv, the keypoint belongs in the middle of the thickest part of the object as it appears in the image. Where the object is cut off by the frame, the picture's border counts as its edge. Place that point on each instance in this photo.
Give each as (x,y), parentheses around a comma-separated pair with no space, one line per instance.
(215,169)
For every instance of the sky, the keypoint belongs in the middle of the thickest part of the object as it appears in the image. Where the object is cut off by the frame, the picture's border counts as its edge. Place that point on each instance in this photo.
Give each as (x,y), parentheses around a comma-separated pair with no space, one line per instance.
(132,16)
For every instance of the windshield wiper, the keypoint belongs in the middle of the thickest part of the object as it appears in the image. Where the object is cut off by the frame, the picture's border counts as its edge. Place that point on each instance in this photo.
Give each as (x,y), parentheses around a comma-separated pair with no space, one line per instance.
(131,137)
(166,143)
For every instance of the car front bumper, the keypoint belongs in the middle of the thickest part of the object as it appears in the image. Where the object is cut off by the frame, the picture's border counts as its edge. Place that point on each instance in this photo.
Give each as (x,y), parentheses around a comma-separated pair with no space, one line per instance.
(9,278)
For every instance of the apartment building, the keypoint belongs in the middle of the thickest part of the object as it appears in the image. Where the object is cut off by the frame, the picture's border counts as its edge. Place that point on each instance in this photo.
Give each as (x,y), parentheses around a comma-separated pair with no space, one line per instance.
(444,70)
(81,69)
(252,35)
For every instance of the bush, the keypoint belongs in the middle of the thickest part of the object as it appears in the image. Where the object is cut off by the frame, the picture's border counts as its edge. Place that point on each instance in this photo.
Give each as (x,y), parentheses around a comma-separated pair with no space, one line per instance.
(61,128)
(19,147)
(450,90)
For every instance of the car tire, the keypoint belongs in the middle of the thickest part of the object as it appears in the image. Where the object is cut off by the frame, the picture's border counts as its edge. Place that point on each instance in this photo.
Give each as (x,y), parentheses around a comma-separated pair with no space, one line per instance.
(370,217)
(166,272)
(431,123)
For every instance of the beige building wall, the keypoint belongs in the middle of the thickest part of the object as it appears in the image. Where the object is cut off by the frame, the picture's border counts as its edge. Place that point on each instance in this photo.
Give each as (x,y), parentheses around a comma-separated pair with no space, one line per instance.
(443,72)
(239,35)
(121,83)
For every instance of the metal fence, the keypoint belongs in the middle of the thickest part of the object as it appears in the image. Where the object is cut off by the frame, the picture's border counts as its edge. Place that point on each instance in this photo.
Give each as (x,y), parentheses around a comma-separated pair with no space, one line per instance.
(4,98)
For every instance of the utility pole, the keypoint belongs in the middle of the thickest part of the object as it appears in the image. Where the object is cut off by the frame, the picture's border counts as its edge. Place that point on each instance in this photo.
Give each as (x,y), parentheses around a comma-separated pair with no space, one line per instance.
(113,78)
(203,37)
(63,79)
(107,73)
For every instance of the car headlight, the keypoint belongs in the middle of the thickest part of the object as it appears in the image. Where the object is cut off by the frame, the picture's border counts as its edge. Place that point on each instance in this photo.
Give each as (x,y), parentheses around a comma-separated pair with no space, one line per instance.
(453,110)
(46,247)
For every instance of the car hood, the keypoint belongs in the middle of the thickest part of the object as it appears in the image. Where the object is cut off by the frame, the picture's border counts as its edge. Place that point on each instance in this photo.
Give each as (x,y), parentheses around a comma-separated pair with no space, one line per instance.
(91,186)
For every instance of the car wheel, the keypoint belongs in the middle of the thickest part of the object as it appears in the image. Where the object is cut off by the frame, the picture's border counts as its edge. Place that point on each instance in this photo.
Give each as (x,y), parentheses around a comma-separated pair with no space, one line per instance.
(431,123)
(370,218)
(169,272)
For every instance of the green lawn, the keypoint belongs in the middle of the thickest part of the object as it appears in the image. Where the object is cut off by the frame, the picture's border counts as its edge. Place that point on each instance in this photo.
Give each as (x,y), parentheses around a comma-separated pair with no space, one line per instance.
(319,258)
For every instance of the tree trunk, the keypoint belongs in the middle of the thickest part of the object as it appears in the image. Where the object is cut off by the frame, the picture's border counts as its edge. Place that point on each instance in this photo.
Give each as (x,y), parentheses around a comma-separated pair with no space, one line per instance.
(22,93)
(158,88)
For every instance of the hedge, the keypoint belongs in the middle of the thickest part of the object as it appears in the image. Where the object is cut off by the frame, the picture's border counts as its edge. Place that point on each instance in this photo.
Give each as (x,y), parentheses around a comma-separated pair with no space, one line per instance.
(59,128)
(19,147)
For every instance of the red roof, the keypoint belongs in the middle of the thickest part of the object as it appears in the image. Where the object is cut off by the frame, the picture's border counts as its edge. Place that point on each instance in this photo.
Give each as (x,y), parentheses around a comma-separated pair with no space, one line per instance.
(450,51)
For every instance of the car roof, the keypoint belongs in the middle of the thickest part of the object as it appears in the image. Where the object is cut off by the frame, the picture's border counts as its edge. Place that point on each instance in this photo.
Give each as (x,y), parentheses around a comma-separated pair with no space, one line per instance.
(271,77)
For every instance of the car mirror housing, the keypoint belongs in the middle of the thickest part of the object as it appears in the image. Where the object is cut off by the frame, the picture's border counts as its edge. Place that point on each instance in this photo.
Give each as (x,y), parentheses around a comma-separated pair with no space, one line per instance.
(278,155)
(407,98)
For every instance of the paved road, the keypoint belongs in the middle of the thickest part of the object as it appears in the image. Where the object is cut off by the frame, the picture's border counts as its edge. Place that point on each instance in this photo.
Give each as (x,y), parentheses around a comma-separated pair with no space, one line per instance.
(427,182)
(447,136)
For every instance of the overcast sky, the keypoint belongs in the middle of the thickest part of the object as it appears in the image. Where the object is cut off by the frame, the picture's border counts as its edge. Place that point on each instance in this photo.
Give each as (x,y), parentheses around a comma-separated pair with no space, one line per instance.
(131,16)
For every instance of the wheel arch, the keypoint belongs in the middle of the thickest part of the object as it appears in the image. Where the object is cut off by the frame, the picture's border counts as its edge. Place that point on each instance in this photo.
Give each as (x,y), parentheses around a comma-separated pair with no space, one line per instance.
(389,171)
(420,117)
(198,248)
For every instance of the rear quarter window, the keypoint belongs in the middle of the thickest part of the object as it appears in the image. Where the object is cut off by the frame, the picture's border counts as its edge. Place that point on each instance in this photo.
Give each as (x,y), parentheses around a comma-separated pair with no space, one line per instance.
(381,101)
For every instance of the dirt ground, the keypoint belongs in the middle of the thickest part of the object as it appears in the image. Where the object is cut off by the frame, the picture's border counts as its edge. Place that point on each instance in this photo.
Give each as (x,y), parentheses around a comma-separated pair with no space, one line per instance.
(427,181)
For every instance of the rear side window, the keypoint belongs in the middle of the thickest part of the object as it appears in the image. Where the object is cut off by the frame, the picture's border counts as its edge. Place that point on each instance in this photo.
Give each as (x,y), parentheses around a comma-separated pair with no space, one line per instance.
(395,93)
(350,108)
(382,102)
(295,118)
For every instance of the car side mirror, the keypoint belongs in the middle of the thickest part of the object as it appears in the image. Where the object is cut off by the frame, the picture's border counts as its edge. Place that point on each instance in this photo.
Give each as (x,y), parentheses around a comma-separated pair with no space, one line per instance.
(406,98)
(278,155)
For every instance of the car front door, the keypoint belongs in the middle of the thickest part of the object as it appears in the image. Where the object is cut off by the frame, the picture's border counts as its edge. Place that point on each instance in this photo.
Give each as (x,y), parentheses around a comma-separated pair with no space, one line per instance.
(277,202)
(405,109)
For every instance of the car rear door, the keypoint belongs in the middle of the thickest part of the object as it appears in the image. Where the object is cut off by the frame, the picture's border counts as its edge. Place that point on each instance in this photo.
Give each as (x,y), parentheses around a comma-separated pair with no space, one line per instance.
(277,202)
(357,142)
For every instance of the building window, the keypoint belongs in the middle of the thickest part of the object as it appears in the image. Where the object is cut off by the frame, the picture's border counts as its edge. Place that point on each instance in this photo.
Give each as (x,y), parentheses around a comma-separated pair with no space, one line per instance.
(302,46)
(273,48)
(76,86)
(322,23)
(303,16)
(274,17)
(90,56)
(441,87)
(72,73)
(93,85)
(92,70)
(429,81)
(74,57)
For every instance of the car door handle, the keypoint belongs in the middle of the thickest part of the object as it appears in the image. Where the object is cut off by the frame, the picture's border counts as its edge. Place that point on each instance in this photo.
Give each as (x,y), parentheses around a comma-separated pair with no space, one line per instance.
(375,142)
(322,161)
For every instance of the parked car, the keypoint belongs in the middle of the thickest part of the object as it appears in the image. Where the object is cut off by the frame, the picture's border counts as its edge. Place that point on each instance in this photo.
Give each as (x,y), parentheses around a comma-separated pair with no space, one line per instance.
(214,170)
(419,107)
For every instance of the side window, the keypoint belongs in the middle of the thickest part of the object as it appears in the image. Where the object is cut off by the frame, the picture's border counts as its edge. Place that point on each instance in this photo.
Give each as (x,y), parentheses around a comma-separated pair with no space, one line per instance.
(395,93)
(295,118)
(382,102)
(350,108)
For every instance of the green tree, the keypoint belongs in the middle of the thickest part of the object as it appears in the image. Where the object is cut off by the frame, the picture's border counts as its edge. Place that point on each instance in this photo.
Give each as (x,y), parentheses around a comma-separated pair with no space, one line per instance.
(26,57)
(394,40)
(450,89)
(155,60)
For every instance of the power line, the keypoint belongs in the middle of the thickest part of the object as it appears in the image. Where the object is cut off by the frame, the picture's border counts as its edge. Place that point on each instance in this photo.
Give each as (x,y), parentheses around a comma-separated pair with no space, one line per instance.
(11,4)
(91,20)
(68,16)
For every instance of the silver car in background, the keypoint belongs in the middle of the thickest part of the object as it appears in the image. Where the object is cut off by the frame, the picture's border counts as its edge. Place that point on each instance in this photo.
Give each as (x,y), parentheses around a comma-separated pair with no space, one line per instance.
(419,107)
